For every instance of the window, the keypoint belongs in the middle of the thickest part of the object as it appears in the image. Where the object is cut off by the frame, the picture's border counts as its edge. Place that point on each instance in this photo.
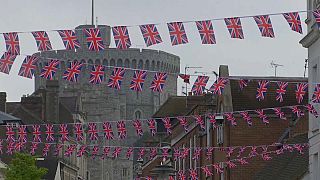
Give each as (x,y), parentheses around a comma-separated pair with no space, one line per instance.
(138,115)
(208,126)
(125,172)
(315,165)
(194,147)
(220,134)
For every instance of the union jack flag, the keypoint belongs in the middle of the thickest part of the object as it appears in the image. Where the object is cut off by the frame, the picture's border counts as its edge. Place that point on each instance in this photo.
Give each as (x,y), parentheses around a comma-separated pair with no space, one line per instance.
(207,171)
(6,62)
(116,78)
(121,37)
(243,161)
(138,126)
(82,150)
(141,153)
(230,164)
(129,152)
(97,74)
(22,134)
(253,152)
(93,132)
(49,132)
(245,115)
(122,131)
(94,39)
(185,153)
(234,27)
(165,153)
(312,110)
(34,147)
(183,123)
(219,85)
(64,132)
(177,33)
(152,126)
(209,153)
(293,20)
(229,151)
(301,90)
(181,175)
(196,153)
(42,40)
(212,120)
(153,153)
(10,133)
(36,133)
(243,83)
(158,82)
(106,151)
(262,116)
(70,150)
(46,150)
(108,134)
(72,72)
(262,89)
(264,25)
(78,131)
(193,174)
(199,85)
(116,152)
(28,67)
(58,149)
(266,157)
(297,111)
(12,43)
(69,39)
(206,32)
(176,154)
(230,117)
(95,152)
(316,14)
(185,77)
(50,69)
(138,79)
(200,121)
(279,113)
(167,125)
(316,94)
(10,148)
(150,34)
(282,88)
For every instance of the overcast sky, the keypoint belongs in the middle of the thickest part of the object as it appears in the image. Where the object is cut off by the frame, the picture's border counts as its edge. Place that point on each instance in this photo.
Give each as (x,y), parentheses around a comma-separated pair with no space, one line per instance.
(251,56)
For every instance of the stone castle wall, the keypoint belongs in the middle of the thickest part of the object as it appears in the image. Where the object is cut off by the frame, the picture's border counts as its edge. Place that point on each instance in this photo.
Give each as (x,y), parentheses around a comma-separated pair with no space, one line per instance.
(102,103)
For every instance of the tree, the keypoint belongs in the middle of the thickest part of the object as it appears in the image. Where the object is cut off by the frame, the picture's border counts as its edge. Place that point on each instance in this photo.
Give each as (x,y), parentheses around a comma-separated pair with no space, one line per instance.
(23,167)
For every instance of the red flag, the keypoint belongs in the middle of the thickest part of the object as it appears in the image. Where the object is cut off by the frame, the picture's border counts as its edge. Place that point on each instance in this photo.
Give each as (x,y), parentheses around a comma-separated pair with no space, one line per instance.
(185,77)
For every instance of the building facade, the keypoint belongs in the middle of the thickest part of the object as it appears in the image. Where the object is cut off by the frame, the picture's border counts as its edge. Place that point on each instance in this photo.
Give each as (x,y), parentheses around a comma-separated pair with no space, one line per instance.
(101,103)
(312,42)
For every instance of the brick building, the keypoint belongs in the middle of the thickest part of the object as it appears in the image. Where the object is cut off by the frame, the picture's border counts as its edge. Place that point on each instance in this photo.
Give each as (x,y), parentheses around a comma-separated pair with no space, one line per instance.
(232,99)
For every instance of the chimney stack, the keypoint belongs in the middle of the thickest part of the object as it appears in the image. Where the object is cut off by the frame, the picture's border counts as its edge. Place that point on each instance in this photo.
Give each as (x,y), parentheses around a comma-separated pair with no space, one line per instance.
(3,101)
(52,101)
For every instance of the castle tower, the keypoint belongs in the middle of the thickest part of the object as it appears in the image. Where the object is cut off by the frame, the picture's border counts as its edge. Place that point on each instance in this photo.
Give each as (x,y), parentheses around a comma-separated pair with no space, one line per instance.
(102,103)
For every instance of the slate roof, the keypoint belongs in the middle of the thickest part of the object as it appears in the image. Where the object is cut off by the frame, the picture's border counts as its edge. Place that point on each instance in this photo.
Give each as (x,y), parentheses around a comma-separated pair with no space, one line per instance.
(246,99)
(287,166)
(7,117)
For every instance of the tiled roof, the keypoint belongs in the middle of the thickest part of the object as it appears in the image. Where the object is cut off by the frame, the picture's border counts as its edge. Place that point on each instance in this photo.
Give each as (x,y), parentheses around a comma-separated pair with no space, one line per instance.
(287,166)
(7,117)
(246,99)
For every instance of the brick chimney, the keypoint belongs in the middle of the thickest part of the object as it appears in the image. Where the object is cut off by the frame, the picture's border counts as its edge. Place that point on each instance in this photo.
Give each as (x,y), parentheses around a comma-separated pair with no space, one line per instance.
(52,101)
(3,101)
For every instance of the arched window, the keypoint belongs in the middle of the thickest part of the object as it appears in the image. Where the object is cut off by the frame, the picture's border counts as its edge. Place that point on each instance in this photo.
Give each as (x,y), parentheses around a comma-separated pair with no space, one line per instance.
(127,63)
(140,65)
(147,66)
(138,114)
(119,63)
(112,62)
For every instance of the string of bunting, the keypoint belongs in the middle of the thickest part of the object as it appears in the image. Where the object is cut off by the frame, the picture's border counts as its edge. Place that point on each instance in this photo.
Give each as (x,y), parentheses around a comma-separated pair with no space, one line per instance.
(93,129)
(152,36)
(219,168)
(97,76)
(95,150)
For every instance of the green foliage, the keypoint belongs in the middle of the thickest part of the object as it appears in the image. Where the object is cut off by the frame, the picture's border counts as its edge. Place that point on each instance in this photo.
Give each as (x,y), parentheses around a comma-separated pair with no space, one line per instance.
(23,167)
